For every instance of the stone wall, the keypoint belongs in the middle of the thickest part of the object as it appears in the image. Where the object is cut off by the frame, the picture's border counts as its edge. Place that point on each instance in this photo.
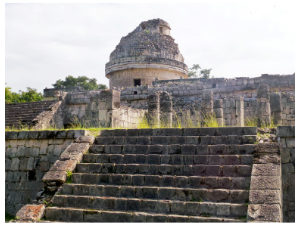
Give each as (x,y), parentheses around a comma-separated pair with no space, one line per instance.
(126,117)
(144,72)
(91,108)
(288,108)
(286,136)
(187,94)
(28,156)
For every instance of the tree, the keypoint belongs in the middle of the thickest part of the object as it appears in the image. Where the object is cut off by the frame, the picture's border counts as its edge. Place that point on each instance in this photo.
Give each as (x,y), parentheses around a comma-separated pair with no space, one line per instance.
(195,71)
(82,81)
(31,95)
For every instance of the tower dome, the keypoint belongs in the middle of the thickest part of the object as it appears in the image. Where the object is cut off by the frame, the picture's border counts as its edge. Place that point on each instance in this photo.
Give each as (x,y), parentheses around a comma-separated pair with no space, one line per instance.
(146,54)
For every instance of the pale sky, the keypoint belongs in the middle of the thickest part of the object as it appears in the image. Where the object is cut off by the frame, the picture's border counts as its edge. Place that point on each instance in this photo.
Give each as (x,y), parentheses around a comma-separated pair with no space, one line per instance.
(47,42)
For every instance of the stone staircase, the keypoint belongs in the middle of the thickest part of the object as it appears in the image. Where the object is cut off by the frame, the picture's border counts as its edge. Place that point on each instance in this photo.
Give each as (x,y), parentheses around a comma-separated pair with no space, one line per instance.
(24,113)
(160,175)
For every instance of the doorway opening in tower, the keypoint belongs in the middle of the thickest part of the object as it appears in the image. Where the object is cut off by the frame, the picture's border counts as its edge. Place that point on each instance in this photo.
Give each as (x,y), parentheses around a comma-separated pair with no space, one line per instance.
(137,82)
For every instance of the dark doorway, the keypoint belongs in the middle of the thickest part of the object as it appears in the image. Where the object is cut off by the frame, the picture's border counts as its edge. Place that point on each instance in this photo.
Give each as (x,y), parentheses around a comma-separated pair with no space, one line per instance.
(137,82)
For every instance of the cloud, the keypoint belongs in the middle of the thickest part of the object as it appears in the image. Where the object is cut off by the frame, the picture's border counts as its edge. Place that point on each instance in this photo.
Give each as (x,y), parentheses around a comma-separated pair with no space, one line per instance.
(47,42)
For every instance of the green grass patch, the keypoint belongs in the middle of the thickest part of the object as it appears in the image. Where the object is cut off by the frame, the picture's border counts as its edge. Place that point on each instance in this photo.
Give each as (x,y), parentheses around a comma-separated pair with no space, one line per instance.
(9,217)
(69,177)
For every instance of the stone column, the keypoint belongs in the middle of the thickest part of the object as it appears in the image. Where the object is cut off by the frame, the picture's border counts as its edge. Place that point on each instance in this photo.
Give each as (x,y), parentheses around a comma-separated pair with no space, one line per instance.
(207,103)
(166,108)
(218,111)
(154,110)
(276,108)
(239,111)
(263,111)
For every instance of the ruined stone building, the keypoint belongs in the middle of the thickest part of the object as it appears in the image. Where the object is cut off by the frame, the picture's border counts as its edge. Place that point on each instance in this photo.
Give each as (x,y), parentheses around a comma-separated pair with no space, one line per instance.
(127,174)
(146,54)
(147,61)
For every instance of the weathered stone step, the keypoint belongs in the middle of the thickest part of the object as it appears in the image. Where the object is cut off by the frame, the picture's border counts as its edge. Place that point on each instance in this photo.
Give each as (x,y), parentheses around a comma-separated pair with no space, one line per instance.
(88,215)
(151,206)
(162,193)
(181,140)
(177,159)
(190,149)
(212,182)
(175,170)
(219,131)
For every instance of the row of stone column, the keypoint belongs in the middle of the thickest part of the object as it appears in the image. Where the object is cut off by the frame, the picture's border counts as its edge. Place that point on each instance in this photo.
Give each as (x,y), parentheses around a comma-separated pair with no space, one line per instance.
(268,106)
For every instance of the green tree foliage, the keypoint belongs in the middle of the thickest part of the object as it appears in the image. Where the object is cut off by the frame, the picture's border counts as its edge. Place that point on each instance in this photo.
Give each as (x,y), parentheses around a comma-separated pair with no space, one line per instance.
(82,81)
(197,72)
(31,95)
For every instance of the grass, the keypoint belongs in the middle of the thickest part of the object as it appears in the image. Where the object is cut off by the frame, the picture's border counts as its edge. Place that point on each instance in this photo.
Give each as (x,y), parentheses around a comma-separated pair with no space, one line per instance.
(180,120)
(9,217)
(69,177)
(255,122)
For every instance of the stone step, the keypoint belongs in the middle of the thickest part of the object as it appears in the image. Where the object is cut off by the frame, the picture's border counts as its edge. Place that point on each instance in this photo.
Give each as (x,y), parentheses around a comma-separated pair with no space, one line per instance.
(205,131)
(181,140)
(88,215)
(161,193)
(175,170)
(213,182)
(177,159)
(151,206)
(190,149)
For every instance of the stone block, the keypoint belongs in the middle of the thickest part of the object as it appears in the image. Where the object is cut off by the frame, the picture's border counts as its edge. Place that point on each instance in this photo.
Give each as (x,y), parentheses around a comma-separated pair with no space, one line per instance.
(23,135)
(33,134)
(290,142)
(85,139)
(266,170)
(288,168)
(15,164)
(285,131)
(223,209)
(31,212)
(55,176)
(9,135)
(265,197)
(265,182)
(30,163)
(264,212)
(271,148)
(75,151)
(64,166)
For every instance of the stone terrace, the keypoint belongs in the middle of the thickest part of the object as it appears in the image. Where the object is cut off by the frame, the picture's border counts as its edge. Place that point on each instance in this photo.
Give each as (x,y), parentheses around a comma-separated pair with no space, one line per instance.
(24,113)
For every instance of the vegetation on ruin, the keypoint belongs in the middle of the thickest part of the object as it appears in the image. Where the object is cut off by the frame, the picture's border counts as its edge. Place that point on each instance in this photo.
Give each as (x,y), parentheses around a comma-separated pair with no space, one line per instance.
(31,95)
(9,217)
(81,81)
(197,72)
(182,121)
(255,122)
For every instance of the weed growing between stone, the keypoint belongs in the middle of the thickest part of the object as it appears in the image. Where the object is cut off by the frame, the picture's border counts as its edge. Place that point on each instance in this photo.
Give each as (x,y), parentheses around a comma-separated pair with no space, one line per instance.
(69,177)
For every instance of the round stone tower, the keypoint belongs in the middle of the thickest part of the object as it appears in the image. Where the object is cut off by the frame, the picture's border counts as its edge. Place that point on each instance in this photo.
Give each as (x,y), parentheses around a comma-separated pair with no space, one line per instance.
(146,54)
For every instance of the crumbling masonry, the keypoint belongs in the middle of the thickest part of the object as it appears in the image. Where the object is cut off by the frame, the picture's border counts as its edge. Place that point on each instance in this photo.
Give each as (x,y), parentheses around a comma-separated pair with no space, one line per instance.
(160,174)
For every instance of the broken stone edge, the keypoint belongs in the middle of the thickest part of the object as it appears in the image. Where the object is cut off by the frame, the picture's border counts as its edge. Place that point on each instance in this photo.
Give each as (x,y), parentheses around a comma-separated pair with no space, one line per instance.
(265,198)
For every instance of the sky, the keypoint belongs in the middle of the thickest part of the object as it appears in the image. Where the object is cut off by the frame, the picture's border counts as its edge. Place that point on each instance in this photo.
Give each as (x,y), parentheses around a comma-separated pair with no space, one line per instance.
(47,42)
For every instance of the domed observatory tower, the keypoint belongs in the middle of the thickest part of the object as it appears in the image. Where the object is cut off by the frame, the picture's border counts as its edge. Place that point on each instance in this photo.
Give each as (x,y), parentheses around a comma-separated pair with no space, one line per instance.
(146,54)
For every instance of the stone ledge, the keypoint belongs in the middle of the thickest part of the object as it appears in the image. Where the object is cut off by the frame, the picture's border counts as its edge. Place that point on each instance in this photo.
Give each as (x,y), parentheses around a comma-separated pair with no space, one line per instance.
(269,148)
(285,131)
(85,139)
(45,134)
